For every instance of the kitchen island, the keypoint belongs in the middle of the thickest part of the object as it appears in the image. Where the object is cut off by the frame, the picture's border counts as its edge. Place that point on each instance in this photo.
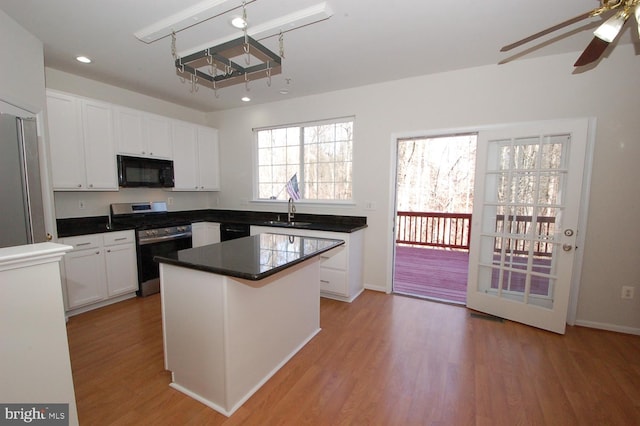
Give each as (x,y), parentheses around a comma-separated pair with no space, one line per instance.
(235,312)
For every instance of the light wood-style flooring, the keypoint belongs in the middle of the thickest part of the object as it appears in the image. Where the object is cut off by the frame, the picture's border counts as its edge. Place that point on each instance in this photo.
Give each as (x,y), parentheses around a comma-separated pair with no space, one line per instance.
(381,360)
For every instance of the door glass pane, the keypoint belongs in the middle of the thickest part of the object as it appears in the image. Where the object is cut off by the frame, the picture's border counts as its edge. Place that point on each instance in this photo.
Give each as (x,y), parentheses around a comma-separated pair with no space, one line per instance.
(521,216)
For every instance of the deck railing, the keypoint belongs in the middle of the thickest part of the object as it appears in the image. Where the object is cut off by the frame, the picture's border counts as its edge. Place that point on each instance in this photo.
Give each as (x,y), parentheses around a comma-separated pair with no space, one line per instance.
(446,230)
(453,230)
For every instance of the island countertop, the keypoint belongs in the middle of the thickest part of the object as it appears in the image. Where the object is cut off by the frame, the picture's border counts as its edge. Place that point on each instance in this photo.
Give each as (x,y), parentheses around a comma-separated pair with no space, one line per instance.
(251,258)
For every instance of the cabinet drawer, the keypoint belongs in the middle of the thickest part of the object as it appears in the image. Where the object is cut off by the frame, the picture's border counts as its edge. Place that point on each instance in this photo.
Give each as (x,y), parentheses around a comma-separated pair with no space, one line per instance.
(335,258)
(120,237)
(83,242)
(333,281)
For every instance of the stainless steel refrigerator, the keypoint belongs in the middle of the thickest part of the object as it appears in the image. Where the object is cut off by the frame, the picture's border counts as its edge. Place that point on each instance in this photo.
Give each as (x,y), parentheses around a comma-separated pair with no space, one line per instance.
(21,207)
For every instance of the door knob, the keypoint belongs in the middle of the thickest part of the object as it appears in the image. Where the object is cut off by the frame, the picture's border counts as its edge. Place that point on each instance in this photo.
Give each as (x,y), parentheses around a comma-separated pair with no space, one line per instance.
(567,247)
(49,237)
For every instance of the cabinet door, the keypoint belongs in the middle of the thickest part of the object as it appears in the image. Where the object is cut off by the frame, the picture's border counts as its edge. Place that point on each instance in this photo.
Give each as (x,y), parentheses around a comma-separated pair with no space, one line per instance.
(205,233)
(85,277)
(99,146)
(122,272)
(185,154)
(208,159)
(65,141)
(129,134)
(157,134)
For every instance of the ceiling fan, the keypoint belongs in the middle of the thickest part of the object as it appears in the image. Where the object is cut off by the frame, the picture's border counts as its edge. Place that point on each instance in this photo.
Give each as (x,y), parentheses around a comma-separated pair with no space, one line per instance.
(603,35)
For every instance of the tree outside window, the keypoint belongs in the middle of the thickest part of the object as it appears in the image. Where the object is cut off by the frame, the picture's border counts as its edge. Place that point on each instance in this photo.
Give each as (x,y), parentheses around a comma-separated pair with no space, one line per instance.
(316,159)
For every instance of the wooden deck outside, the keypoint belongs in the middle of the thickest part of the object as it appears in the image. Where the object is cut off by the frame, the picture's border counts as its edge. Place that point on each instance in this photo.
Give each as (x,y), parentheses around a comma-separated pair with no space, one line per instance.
(432,257)
(442,274)
(432,273)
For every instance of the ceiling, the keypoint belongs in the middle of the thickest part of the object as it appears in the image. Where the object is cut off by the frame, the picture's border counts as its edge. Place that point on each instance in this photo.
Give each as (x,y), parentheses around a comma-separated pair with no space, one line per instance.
(363,42)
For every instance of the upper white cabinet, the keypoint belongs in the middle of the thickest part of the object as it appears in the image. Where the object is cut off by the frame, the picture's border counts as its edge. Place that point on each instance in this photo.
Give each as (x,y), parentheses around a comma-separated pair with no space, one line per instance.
(82,144)
(142,134)
(195,157)
(85,135)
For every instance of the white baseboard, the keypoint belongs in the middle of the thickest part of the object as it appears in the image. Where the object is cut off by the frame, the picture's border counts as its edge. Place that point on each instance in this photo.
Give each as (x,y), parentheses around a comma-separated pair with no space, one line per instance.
(609,327)
(375,288)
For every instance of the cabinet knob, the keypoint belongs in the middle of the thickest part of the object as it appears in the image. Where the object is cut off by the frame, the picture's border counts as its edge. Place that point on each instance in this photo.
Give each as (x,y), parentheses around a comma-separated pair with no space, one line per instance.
(79,185)
(151,153)
(90,185)
(98,252)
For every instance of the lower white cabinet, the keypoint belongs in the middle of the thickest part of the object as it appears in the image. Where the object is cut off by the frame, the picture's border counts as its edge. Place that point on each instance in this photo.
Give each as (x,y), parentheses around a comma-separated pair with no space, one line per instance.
(340,268)
(204,233)
(101,269)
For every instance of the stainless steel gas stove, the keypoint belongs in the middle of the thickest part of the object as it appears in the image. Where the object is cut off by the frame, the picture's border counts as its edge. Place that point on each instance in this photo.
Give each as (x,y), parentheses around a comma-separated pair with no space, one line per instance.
(156,234)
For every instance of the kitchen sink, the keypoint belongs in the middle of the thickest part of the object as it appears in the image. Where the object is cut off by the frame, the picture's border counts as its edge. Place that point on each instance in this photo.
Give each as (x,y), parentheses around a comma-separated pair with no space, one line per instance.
(290,224)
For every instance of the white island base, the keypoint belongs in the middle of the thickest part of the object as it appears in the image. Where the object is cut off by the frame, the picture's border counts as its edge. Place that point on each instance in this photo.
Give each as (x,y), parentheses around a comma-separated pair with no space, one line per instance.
(224,337)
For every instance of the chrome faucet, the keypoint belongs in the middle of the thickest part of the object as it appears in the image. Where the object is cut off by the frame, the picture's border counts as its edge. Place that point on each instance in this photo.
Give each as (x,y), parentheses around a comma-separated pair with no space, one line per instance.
(291,209)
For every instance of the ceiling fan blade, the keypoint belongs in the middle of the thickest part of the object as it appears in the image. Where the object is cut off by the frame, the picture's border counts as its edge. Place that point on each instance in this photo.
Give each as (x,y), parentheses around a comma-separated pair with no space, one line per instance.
(549,30)
(592,53)
(611,27)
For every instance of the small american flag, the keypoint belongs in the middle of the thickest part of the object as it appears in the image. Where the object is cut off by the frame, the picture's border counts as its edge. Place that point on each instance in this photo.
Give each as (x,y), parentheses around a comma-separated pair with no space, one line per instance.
(292,187)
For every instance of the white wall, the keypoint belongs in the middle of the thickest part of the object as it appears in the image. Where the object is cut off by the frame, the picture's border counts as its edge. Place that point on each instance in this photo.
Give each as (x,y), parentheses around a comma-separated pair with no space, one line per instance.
(22,85)
(525,90)
(97,203)
(22,66)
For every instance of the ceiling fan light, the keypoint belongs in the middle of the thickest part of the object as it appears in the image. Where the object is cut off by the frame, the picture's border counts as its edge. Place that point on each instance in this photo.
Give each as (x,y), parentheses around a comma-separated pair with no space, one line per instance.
(611,28)
(638,18)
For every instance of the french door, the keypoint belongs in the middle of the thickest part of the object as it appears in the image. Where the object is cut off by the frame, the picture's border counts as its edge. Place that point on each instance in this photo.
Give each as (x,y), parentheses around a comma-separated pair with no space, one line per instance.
(527,199)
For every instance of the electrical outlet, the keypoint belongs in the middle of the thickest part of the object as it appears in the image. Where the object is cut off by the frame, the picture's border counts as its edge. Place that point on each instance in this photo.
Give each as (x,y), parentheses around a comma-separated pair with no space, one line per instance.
(81,204)
(369,205)
(169,201)
(627,292)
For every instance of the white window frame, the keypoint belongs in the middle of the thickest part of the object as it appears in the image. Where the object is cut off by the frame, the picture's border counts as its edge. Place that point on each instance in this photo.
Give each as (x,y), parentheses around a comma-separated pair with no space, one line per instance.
(301,125)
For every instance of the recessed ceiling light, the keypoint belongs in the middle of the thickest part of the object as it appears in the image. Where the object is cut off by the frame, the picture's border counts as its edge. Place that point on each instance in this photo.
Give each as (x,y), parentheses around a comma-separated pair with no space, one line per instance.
(83,59)
(246,99)
(239,22)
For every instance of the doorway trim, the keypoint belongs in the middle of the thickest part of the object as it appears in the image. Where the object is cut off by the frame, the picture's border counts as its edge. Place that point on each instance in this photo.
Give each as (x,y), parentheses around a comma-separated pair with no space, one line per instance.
(584,201)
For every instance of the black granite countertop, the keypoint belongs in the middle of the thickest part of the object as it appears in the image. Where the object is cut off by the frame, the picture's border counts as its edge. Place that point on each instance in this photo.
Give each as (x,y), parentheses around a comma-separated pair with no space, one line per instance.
(251,258)
(68,227)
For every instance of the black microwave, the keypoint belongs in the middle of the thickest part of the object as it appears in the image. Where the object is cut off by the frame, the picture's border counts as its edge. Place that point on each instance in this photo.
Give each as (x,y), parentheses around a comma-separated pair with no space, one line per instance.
(139,172)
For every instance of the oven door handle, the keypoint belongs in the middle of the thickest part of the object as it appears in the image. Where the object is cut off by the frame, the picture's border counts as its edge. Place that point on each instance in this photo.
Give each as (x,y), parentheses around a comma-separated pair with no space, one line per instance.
(164,238)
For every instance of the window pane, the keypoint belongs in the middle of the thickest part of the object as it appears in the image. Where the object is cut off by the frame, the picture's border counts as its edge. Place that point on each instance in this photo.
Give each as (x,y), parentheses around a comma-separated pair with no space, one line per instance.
(318,155)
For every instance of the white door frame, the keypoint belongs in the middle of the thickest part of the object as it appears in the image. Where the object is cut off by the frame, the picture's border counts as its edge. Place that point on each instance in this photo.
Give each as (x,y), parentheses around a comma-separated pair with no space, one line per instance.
(584,202)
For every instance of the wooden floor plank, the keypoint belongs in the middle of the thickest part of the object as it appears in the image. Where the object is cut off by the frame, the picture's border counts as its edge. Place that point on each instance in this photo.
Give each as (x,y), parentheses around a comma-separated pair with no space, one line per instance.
(381,360)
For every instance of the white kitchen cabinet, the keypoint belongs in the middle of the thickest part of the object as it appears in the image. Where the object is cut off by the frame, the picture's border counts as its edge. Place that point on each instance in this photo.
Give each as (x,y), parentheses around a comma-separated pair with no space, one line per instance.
(208,159)
(142,134)
(204,233)
(83,267)
(120,259)
(82,143)
(101,269)
(157,135)
(340,268)
(195,157)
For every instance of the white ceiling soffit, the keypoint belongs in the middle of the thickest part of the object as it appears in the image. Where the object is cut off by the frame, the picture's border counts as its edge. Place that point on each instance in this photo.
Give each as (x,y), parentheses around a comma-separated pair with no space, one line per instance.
(283,24)
(208,9)
(187,18)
